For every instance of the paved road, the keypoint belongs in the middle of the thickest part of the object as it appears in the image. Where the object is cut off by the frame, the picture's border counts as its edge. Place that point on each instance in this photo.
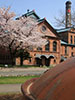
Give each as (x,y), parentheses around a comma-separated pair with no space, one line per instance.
(10,88)
(21,71)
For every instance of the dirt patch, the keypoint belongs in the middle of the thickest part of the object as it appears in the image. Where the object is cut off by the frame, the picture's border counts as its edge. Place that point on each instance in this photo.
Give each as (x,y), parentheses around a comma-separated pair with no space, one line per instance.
(12,97)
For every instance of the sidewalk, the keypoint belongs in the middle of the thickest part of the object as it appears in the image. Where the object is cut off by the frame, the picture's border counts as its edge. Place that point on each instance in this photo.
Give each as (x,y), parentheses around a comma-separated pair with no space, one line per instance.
(10,88)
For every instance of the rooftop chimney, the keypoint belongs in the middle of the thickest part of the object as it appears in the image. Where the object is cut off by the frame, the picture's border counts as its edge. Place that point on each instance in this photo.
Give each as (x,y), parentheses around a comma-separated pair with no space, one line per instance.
(27,10)
(68,14)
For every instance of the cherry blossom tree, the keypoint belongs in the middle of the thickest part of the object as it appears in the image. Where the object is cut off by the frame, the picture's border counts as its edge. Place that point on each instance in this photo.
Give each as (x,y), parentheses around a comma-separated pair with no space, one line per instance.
(19,34)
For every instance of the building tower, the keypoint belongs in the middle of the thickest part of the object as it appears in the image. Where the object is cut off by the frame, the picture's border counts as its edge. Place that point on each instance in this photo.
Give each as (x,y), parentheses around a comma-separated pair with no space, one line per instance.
(68,14)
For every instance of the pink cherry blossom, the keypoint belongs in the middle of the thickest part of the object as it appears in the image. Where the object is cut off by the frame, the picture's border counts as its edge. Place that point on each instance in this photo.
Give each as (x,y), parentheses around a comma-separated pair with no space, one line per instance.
(19,34)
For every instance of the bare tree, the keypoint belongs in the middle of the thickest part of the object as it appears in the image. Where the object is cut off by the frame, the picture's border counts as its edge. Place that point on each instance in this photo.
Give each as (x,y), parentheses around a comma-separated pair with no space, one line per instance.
(19,34)
(60,21)
(73,16)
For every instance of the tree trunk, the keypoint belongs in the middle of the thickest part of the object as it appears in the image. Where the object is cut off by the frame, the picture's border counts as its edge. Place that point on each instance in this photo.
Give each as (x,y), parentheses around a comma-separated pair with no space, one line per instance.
(11,55)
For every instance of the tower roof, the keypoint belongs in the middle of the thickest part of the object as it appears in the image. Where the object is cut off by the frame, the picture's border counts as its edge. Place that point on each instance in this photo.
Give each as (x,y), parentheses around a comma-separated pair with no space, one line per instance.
(68,2)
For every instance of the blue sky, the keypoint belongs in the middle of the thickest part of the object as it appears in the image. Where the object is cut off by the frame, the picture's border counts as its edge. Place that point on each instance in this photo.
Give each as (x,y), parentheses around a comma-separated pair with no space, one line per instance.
(44,8)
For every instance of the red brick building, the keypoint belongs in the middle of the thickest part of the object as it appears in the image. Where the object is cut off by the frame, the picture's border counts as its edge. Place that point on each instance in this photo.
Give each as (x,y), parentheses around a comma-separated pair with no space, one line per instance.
(49,54)
(61,42)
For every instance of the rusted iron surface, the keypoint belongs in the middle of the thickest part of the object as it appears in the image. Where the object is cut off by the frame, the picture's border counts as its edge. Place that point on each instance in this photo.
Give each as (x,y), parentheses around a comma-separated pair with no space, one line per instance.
(56,84)
(25,88)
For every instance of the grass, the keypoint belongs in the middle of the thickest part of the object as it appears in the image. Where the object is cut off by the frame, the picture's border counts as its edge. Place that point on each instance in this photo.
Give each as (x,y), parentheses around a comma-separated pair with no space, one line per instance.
(18,66)
(15,79)
(26,66)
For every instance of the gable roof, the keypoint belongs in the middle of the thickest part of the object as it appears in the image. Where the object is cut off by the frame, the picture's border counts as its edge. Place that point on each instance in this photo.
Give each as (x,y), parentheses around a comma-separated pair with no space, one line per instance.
(34,15)
(30,13)
(52,29)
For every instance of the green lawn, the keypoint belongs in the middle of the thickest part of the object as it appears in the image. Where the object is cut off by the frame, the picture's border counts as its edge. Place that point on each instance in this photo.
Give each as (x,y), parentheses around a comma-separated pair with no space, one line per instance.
(15,79)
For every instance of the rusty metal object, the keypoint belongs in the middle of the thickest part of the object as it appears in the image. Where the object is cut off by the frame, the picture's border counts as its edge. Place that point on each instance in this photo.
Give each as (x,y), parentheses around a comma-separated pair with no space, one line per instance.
(55,84)
(25,89)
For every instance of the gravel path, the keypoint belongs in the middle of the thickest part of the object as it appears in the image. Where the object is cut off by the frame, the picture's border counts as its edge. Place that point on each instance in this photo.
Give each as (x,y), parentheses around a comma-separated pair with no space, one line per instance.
(21,71)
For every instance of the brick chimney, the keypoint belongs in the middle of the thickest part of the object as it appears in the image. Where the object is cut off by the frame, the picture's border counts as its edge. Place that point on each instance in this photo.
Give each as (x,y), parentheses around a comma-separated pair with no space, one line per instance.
(68,14)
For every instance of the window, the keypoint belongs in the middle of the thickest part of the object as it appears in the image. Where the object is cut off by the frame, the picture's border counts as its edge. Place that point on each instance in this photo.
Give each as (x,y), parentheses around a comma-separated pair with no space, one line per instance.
(47,46)
(54,46)
(30,60)
(43,28)
(74,39)
(54,61)
(39,49)
(71,39)
(72,48)
(72,54)
(65,50)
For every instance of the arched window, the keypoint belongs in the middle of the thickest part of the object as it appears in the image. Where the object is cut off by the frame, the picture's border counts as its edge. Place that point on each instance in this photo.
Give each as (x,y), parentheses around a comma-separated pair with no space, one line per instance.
(54,46)
(65,50)
(71,39)
(47,46)
(74,39)
(39,49)
(72,54)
